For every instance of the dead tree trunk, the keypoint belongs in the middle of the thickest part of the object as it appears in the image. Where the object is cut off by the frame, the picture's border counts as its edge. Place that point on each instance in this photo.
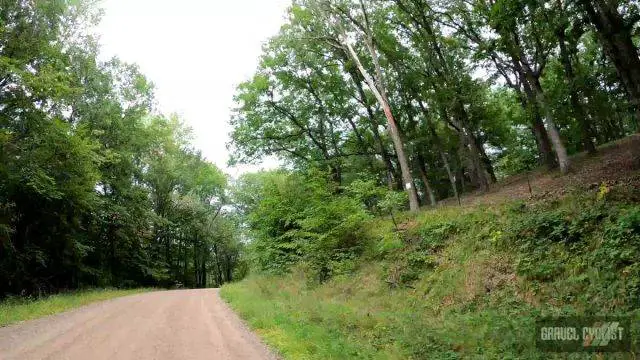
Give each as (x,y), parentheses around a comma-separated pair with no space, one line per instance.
(380,95)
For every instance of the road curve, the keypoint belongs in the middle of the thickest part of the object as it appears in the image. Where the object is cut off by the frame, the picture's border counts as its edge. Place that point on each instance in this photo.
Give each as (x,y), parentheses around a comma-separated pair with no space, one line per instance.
(163,325)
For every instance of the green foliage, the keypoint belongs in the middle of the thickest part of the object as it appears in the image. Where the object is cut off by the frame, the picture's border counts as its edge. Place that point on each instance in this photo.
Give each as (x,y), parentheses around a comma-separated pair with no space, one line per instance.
(309,105)
(393,202)
(273,206)
(297,217)
(96,189)
(479,91)
(388,243)
(297,332)
(329,234)
(586,240)
(433,236)
(369,193)
(560,231)
(519,155)
(464,284)
(620,238)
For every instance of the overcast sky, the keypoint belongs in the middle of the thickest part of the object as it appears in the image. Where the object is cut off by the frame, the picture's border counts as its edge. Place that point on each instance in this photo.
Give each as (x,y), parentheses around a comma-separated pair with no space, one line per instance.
(196,52)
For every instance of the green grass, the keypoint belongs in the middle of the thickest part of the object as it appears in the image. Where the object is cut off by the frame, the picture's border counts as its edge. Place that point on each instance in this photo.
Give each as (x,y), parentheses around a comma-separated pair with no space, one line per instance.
(294,323)
(458,283)
(14,310)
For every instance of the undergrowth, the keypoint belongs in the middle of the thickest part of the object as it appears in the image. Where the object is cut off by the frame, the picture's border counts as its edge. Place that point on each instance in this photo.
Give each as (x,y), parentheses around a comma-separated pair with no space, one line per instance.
(457,283)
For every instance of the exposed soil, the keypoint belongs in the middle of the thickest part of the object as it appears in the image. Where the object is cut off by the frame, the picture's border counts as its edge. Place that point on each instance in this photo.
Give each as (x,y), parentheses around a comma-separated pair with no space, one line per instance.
(615,165)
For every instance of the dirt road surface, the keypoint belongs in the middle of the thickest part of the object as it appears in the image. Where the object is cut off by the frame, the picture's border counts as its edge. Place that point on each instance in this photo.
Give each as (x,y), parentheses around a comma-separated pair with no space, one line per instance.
(163,325)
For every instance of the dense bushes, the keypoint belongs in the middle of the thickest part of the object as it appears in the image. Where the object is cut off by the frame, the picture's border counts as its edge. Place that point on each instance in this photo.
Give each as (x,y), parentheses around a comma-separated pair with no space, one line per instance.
(588,242)
(458,283)
(302,217)
(591,246)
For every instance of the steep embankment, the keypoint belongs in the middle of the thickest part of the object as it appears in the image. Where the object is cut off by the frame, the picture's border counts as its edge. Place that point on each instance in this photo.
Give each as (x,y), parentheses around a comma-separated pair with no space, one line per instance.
(468,282)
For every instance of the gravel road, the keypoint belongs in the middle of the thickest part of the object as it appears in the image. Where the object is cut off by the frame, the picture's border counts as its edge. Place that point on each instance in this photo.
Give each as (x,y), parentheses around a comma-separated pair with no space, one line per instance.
(163,325)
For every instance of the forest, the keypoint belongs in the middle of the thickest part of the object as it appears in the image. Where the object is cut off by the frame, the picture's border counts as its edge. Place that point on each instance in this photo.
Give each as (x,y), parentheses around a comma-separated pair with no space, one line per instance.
(449,171)
(452,171)
(371,108)
(381,106)
(97,188)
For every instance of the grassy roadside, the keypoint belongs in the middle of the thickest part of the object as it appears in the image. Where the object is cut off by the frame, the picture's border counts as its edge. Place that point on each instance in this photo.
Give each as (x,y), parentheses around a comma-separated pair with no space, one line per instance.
(459,283)
(16,309)
(293,325)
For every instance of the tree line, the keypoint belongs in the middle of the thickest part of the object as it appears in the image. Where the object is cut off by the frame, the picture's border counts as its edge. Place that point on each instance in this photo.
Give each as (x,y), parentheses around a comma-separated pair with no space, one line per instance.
(370,105)
(438,97)
(97,188)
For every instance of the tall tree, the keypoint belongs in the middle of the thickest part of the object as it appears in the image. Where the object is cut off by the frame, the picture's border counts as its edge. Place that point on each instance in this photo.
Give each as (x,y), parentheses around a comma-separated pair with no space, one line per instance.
(615,32)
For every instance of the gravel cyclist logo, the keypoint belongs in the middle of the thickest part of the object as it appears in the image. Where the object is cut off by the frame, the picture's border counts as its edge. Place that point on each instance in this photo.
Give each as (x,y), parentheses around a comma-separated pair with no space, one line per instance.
(576,334)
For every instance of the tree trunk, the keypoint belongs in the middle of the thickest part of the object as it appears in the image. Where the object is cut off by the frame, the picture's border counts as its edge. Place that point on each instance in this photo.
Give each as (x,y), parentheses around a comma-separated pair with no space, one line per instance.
(425,180)
(577,106)
(336,174)
(452,178)
(531,82)
(219,278)
(545,149)
(379,145)
(112,254)
(195,264)
(482,176)
(229,262)
(480,167)
(528,103)
(436,140)
(463,185)
(386,157)
(414,205)
(552,129)
(466,163)
(543,141)
(204,274)
(617,43)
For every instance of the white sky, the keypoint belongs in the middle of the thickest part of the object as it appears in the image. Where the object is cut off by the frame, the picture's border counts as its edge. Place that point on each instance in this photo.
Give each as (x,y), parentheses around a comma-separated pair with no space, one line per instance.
(195,52)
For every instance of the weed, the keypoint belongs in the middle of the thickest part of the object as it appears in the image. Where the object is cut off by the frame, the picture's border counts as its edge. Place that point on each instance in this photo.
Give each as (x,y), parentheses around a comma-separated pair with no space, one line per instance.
(457,283)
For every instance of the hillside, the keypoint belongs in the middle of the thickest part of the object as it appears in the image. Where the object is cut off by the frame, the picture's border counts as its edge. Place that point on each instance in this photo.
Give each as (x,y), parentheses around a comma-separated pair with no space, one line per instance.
(468,283)
(615,164)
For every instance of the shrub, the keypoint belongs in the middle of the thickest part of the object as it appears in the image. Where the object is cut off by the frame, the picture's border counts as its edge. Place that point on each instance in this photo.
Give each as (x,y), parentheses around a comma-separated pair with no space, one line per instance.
(433,236)
(369,193)
(393,202)
(329,233)
(301,217)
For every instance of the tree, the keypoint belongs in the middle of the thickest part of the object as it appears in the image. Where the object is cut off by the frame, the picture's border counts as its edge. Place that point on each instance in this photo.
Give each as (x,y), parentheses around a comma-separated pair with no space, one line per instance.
(377,86)
(615,34)
(96,187)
